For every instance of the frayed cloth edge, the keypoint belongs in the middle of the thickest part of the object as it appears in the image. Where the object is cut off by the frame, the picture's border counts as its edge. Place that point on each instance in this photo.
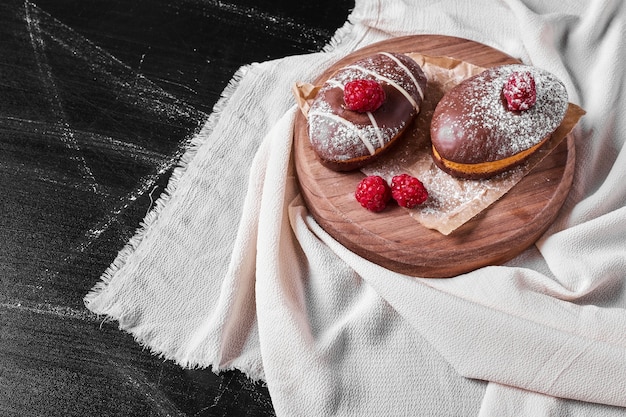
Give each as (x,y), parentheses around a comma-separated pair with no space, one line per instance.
(251,371)
(192,147)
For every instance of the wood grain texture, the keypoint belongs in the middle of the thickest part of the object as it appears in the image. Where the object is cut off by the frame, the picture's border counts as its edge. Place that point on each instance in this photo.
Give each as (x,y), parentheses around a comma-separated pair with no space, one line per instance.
(395,240)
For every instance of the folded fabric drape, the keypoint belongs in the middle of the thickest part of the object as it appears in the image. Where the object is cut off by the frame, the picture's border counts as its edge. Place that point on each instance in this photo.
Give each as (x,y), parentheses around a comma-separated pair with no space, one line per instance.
(230,271)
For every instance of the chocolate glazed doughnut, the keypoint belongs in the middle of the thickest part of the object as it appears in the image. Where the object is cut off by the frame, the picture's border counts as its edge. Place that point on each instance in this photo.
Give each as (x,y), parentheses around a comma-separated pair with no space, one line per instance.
(344,139)
(475,135)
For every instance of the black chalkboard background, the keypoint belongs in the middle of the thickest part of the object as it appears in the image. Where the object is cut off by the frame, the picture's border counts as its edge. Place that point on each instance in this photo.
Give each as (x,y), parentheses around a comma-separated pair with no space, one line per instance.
(98,99)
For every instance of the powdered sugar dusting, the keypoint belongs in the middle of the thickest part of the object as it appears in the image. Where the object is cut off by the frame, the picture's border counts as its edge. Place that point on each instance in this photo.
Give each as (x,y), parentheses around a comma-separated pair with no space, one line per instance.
(339,135)
(408,72)
(340,121)
(451,201)
(475,115)
(381,140)
(379,76)
(347,136)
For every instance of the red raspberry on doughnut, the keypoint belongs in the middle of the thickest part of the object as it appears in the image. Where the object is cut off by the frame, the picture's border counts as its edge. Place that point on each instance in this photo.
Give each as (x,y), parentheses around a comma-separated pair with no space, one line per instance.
(363,95)
(520,91)
(408,191)
(373,193)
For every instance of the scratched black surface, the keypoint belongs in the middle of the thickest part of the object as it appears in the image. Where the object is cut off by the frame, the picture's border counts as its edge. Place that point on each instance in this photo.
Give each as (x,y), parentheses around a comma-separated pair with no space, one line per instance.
(97,101)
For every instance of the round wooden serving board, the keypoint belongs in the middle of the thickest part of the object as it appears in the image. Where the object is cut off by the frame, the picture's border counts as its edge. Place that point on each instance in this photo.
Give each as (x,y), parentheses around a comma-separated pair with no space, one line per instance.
(394,239)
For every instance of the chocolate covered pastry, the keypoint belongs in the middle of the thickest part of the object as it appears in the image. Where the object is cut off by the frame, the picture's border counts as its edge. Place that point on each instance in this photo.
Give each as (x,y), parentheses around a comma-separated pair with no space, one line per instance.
(496,120)
(346,135)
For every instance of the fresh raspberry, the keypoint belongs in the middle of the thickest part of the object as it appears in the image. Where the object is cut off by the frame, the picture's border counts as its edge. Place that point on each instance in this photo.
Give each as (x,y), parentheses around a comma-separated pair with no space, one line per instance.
(363,95)
(520,91)
(373,193)
(408,191)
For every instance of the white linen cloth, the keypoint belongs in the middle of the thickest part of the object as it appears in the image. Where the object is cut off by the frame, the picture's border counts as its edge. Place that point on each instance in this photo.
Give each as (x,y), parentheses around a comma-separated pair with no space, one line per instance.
(230,271)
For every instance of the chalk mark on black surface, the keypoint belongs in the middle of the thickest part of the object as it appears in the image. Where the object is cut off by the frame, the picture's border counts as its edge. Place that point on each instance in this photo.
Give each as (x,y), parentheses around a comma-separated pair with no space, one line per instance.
(52,94)
(140,92)
(147,390)
(279,24)
(92,140)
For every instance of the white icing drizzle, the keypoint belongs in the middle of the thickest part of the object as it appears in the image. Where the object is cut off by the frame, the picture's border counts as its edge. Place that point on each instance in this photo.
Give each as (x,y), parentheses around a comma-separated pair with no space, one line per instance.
(408,71)
(334,83)
(388,81)
(381,141)
(347,123)
(337,138)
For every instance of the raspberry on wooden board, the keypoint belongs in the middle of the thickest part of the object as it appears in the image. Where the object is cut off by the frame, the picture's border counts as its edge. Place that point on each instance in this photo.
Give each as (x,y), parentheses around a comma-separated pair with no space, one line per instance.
(373,193)
(408,191)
